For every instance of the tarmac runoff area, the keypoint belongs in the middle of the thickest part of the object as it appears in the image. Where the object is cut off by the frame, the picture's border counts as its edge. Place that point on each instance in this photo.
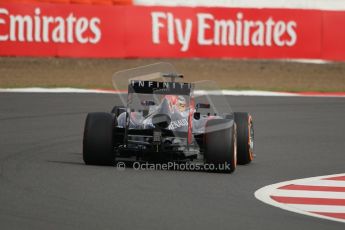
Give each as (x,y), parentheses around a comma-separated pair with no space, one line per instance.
(44,183)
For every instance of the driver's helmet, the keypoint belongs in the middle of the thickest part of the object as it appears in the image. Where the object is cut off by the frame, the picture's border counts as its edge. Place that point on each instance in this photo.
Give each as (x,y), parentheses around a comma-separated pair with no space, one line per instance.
(172,99)
(181,104)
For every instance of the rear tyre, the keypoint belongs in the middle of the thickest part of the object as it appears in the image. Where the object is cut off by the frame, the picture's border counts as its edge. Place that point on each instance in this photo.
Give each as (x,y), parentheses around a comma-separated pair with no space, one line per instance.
(220,145)
(98,139)
(245,138)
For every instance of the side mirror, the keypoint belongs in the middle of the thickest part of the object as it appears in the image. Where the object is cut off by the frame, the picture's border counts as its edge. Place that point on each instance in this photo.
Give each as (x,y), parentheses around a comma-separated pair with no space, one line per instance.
(202,106)
(147,103)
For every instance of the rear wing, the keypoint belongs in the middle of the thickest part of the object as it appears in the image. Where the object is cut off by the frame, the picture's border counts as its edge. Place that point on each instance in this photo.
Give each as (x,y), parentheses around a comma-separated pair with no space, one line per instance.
(156,87)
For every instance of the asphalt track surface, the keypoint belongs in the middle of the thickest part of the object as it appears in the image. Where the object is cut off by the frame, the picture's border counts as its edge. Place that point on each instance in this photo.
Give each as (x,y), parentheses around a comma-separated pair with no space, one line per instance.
(45,185)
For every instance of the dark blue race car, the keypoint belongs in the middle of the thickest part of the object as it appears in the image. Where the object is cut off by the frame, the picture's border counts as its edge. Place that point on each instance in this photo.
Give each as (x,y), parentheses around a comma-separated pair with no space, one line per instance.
(163,119)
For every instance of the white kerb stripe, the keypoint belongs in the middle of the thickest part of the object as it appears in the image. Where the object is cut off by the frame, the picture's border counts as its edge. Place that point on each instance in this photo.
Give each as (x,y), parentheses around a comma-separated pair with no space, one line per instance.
(308,194)
(328,183)
(318,208)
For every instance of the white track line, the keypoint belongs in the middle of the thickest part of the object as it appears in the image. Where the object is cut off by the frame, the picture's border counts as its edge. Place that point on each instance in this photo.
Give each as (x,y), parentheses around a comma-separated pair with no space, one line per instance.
(308,61)
(197,92)
(50,90)
(242,93)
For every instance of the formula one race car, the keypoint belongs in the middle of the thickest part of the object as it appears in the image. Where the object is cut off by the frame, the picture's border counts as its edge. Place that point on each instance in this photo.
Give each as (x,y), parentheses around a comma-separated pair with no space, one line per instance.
(163,119)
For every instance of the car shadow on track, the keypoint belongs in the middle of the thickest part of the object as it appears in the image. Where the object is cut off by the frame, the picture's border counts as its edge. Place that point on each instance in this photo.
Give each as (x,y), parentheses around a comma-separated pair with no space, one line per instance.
(129,165)
(66,162)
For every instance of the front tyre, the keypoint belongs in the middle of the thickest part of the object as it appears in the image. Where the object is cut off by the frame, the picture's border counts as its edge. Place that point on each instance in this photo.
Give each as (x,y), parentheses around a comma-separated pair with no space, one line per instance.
(220,145)
(245,138)
(98,139)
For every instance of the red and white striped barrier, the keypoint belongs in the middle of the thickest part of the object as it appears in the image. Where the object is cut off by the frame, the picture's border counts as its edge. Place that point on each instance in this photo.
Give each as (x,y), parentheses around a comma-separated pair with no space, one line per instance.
(322,197)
